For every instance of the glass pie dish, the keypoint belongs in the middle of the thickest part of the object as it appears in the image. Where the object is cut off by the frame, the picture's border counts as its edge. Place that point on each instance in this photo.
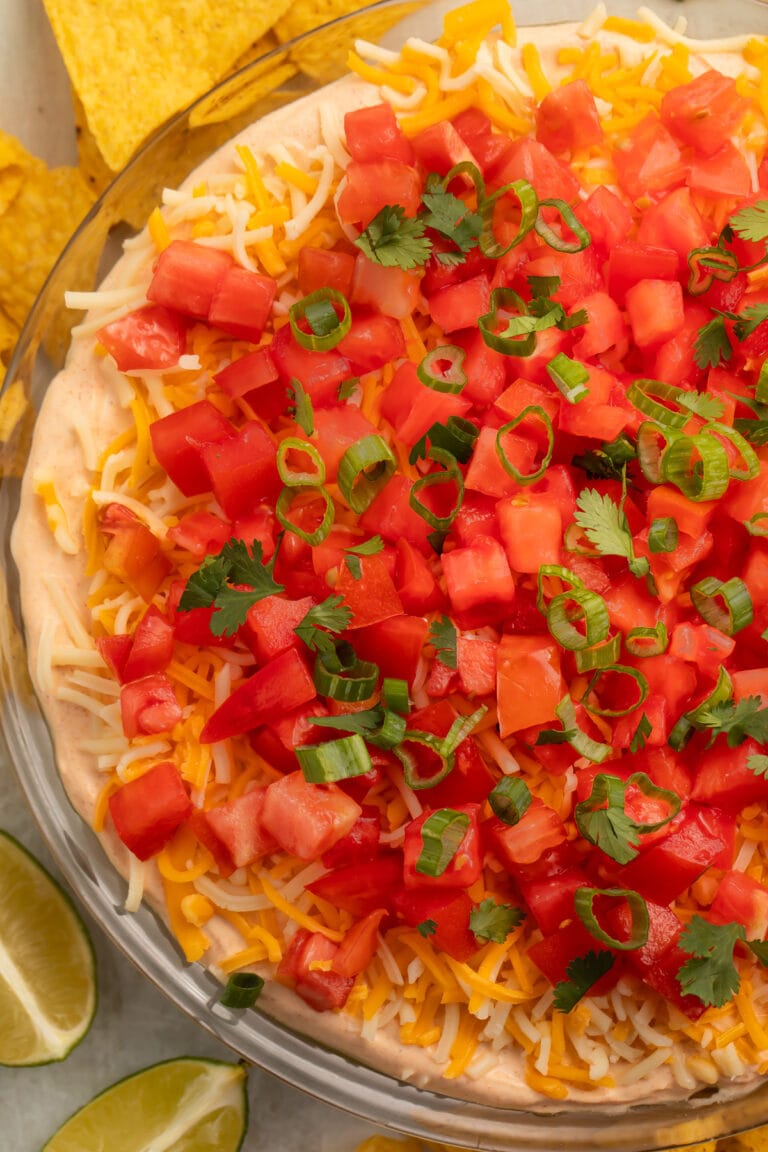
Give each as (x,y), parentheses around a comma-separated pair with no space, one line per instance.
(268,84)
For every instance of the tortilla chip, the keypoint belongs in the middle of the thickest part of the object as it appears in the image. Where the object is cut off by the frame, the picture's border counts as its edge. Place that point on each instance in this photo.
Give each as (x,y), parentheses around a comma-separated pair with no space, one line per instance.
(324,56)
(135,65)
(242,92)
(90,160)
(34,228)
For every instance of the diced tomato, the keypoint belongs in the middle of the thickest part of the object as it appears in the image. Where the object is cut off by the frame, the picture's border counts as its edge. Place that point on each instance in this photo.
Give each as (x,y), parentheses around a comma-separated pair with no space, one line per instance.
(567,118)
(373,133)
(529,683)
(269,627)
(361,843)
(373,597)
(238,826)
(630,262)
(537,830)
(554,954)
(153,337)
(201,533)
(659,960)
(723,174)
(469,781)
(308,963)
(723,778)
(532,532)
(412,408)
(151,646)
(242,303)
(178,441)
(374,185)
(372,341)
(320,373)
(741,900)
(307,819)
(393,291)
(278,687)
(701,645)
(550,896)
(464,867)
(247,374)
(149,706)
(674,222)
(606,217)
(325,268)
(605,328)
(440,147)
(364,886)
(242,469)
(147,810)
(447,912)
(705,112)
(359,946)
(114,651)
(648,160)
(655,310)
(459,305)
(186,277)
(663,871)
(478,575)
(528,159)
(395,644)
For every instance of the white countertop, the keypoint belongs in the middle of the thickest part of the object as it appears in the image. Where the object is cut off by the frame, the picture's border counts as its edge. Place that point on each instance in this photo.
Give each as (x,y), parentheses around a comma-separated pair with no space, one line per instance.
(135,1025)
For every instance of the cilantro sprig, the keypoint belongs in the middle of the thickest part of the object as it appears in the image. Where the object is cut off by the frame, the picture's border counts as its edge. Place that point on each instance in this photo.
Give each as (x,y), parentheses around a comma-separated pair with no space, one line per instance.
(395,240)
(609,461)
(605,525)
(491,921)
(211,585)
(751,223)
(353,553)
(711,973)
(448,215)
(330,616)
(735,721)
(582,972)
(443,635)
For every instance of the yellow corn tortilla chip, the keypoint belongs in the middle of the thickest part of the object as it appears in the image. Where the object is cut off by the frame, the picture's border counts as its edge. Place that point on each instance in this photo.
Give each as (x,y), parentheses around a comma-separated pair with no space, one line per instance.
(34,228)
(242,92)
(134,65)
(324,57)
(11,180)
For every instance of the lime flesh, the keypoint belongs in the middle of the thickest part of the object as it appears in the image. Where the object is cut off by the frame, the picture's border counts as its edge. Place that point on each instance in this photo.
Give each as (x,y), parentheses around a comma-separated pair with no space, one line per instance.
(185,1105)
(47,974)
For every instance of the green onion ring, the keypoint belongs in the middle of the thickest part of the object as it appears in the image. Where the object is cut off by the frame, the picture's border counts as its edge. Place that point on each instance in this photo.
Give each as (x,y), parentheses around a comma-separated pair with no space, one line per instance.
(520,343)
(642,781)
(351,685)
(551,238)
(683,729)
(334,760)
(735,612)
(283,505)
(451,475)
(510,799)
(599,655)
(554,572)
(394,693)
(570,377)
(753,527)
(650,452)
(647,641)
(591,610)
(645,394)
(364,469)
(578,739)
(299,479)
(750,463)
(663,535)
(529,211)
(410,766)
(521,477)
(698,466)
(621,670)
(451,380)
(584,900)
(709,264)
(327,337)
(441,836)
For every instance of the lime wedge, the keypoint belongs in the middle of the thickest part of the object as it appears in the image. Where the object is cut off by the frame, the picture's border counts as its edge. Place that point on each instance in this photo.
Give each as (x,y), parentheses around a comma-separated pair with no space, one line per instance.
(183,1105)
(47,970)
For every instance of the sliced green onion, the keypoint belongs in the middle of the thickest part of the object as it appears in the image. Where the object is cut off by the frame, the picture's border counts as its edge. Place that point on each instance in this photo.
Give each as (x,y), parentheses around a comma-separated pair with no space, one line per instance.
(709,264)
(576,540)
(551,238)
(647,641)
(364,469)
(532,410)
(584,900)
(642,781)
(663,535)
(617,670)
(590,611)
(394,693)
(441,836)
(578,739)
(750,465)
(726,605)
(569,377)
(698,466)
(645,394)
(351,685)
(442,369)
(335,760)
(600,655)
(684,728)
(242,990)
(390,732)
(460,729)
(753,527)
(456,436)
(414,777)
(653,442)
(510,799)
(529,209)
(554,572)
(377,725)
(292,478)
(761,388)
(318,310)
(519,337)
(283,507)
(451,475)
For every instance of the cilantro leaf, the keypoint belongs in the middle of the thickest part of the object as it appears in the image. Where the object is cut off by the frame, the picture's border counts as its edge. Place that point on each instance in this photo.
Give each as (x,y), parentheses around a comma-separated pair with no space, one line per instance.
(347,388)
(758,764)
(749,320)
(605,525)
(712,344)
(582,972)
(448,215)
(210,585)
(759,949)
(755,431)
(711,974)
(442,633)
(642,732)
(427,928)
(303,412)
(332,615)
(369,720)
(702,404)
(752,223)
(736,721)
(492,921)
(543,286)
(355,551)
(394,240)
(602,820)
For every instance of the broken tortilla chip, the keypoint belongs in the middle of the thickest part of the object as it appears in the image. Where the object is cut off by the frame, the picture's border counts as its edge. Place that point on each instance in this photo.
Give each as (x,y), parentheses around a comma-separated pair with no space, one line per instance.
(34,228)
(324,56)
(161,54)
